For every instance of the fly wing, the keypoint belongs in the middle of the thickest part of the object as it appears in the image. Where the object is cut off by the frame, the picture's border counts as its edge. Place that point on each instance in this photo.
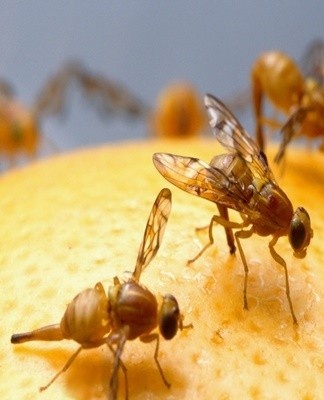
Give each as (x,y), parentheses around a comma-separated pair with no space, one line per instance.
(289,130)
(107,96)
(154,232)
(312,62)
(200,179)
(230,134)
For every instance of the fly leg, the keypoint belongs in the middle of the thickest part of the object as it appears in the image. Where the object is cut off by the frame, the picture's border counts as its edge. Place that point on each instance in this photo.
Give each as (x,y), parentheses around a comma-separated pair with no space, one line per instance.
(113,385)
(282,262)
(51,333)
(244,235)
(66,366)
(210,243)
(46,333)
(228,226)
(151,338)
(223,212)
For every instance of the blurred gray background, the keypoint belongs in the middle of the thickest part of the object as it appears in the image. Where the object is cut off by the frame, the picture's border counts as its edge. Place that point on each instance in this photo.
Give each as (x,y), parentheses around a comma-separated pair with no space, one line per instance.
(145,45)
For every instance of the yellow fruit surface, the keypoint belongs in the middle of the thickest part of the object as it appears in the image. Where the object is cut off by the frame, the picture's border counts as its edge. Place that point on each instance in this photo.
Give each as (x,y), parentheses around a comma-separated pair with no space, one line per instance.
(73,220)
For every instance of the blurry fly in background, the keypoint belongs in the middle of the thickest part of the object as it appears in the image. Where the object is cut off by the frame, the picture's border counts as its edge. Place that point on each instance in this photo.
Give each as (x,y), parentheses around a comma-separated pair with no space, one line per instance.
(296,90)
(20,125)
(299,96)
(241,180)
(178,111)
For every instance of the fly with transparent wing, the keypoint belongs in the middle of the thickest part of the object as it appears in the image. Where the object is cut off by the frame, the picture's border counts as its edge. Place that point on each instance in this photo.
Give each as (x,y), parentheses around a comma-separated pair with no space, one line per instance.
(240,180)
(299,96)
(129,311)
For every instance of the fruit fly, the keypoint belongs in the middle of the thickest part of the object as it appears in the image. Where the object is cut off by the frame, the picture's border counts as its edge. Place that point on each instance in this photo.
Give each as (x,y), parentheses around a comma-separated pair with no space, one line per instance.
(243,181)
(178,112)
(276,76)
(127,312)
(18,128)
(20,131)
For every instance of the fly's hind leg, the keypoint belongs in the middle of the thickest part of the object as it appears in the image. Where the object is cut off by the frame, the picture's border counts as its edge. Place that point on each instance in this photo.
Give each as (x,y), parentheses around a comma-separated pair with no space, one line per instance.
(64,369)
(46,333)
(228,226)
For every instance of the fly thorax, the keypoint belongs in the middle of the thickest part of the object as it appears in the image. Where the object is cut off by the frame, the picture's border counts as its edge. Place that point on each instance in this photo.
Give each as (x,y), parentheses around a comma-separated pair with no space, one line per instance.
(275,207)
(136,307)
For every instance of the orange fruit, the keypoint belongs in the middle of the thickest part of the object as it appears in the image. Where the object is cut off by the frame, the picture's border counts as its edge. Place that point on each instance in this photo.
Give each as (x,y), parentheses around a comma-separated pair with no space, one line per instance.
(73,220)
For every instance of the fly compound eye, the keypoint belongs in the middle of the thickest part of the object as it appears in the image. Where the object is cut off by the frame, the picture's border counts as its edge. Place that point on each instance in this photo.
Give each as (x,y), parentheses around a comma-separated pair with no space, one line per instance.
(169,317)
(300,232)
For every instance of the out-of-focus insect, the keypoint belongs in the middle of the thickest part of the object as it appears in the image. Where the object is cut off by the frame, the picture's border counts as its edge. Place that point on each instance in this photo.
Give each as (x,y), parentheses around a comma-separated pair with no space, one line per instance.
(18,127)
(276,76)
(242,181)
(20,131)
(129,311)
(178,112)
(312,62)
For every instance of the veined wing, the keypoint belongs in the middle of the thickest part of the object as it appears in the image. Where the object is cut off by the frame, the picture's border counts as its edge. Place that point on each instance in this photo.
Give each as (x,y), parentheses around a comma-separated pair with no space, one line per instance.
(230,133)
(312,62)
(154,232)
(289,130)
(200,179)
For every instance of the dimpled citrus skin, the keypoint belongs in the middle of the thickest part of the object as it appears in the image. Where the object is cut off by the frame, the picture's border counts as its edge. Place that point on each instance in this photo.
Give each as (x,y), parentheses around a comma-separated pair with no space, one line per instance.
(76,219)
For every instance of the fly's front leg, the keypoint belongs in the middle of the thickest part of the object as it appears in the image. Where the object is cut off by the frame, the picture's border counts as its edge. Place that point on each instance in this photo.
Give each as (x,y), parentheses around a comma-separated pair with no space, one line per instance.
(282,262)
(113,385)
(244,235)
(229,225)
(151,338)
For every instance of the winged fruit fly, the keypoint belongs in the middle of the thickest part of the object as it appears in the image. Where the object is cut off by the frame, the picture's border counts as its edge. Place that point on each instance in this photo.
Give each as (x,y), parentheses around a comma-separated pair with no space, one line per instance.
(243,181)
(129,311)
(275,76)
